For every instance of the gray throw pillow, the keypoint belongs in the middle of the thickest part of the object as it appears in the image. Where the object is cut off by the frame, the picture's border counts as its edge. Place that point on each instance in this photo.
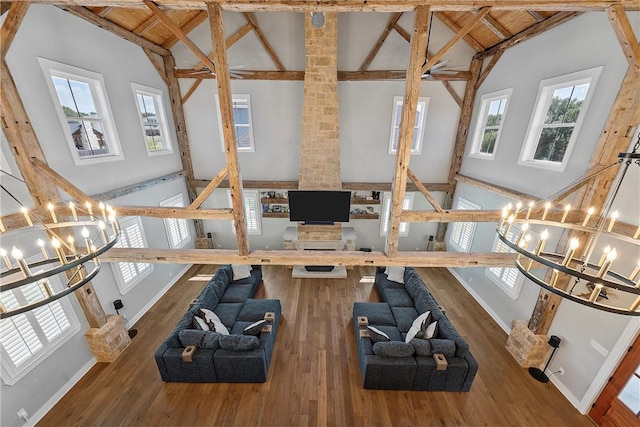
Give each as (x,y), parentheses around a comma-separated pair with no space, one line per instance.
(238,342)
(446,347)
(422,347)
(377,335)
(393,349)
(201,339)
(254,328)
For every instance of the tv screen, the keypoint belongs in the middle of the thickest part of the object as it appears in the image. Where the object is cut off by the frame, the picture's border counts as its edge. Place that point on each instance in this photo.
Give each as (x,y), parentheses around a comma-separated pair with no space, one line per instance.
(319,207)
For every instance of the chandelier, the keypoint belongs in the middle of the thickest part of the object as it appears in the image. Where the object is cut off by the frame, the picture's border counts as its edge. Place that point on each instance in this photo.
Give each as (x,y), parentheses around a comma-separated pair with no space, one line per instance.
(592,281)
(43,261)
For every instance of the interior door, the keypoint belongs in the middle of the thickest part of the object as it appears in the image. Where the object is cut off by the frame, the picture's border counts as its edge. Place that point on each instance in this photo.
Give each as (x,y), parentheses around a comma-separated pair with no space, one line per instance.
(619,403)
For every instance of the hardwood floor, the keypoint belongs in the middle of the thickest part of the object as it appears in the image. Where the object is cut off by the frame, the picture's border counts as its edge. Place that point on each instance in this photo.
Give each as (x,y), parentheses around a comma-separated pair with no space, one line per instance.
(314,377)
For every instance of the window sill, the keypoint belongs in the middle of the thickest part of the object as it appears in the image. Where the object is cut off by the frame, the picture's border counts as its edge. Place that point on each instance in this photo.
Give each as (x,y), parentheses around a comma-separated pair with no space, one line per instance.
(543,164)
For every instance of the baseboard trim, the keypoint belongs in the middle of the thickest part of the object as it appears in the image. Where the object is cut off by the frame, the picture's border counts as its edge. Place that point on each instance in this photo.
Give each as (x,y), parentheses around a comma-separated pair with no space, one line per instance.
(40,413)
(482,303)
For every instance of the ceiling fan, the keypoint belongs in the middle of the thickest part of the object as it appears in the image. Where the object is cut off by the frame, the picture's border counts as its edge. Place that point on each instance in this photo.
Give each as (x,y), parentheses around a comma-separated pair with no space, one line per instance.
(234,72)
(441,68)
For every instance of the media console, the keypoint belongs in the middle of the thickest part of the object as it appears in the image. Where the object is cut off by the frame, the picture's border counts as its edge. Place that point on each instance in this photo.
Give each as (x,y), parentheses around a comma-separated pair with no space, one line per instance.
(323,268)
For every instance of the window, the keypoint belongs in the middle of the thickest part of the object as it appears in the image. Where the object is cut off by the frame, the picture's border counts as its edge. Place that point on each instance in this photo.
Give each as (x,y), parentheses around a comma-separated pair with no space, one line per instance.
(407,204)
(461,235)
(28,338)
(84,112)
(421,116)
(242,122)
(508,278)
(177,229)
(252,211)
(129,274)
(489,124)
(153,119)
(558,114)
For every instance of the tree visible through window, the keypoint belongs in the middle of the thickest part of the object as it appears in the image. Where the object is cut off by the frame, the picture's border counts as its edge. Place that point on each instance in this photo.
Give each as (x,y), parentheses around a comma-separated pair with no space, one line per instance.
(153,119)
(489,123)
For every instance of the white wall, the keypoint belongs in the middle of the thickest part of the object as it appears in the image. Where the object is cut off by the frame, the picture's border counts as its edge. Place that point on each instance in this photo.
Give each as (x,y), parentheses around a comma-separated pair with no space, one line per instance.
(562,50)
(51,33)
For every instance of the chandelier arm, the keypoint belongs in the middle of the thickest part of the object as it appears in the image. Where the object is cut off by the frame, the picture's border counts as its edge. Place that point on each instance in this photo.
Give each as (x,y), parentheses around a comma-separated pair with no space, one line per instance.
(54,297)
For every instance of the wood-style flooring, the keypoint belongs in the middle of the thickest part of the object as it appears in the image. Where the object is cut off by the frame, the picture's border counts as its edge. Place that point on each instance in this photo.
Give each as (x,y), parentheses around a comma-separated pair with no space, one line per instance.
(314,378)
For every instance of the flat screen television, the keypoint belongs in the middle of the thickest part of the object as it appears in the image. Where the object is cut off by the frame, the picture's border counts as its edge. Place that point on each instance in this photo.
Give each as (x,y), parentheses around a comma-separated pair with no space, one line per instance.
(319,207)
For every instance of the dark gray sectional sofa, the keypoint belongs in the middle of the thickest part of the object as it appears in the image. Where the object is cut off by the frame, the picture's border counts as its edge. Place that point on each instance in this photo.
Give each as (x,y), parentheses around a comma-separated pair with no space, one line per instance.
(219,358)
(410,369)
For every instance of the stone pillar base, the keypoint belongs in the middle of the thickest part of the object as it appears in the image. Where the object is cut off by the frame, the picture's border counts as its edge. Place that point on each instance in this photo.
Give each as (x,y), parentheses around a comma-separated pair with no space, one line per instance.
(526,347)
(439,246)
(108,341)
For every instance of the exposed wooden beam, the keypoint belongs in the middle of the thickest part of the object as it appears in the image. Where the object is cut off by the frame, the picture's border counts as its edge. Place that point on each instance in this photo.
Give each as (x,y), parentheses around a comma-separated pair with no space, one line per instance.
(283,257)
(209,188)
(263,40)
(532,31)
(424,191)
(626,36)
(394,75)
(191,90)
(242,31)
(123,191)
(393,21)
(196,73)
(453,26)
(15,15)
(403,33)
(216,26)
(453,93)
(146,25)
(168,212)
(198,19)
(177,31)
(492,63)
(407,120)
(503,191)
(500,31)
(463,31)
(535,15)
(158,67)
(448,216)
(105,24)
(61,182)
(351,186)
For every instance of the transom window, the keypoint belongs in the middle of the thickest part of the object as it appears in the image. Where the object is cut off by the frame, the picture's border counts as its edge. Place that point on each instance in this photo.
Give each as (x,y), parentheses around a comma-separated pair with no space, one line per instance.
(28,338)
(555,124)
(421,117)
(241,109)
(407,204)
(489,124)
(153,119)
(84,112)
(129,274)
(252,211)
(177,228)
(461,235)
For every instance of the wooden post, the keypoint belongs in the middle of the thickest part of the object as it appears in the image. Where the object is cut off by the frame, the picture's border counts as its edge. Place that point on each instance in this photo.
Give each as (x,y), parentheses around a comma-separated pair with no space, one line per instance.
(407,120)
(226,113)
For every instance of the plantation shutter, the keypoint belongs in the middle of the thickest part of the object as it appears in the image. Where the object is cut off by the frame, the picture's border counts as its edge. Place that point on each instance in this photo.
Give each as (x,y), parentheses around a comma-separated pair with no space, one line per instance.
(507,275)
(462,232)
(131,237)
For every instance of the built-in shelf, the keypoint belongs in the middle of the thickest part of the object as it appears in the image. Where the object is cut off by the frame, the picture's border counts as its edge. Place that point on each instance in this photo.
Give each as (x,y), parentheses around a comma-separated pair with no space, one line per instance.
(365,216)
(274,201)
(275,214)
(365,201)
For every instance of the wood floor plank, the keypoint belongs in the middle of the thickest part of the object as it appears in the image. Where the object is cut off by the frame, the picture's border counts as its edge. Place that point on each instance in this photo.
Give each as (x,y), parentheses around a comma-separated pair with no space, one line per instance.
(314,378)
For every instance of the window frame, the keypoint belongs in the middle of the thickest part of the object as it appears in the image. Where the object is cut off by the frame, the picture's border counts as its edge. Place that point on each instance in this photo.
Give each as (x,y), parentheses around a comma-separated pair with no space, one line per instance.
(541,107)
(237,97)
(158,101)
(11,373)
(141,273)
(101,102)
(385,213)
(463,204)
(255,195)
(422,102)
(177,200)
(513,290)
(481,122)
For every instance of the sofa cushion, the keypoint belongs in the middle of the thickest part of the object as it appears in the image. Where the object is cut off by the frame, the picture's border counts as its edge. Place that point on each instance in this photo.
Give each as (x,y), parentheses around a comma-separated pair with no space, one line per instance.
(393,349)
(240,271)
(239,342)
(397,297)
(378,313)
(434,345)
(228,312)
(395,274)
(208,298)
(201,339)
(219,284)
(236,293)
(418,325)
(391,331)
(254,309)
(213,319)
(421,347)
(377,335)
(404,317)
(254,328)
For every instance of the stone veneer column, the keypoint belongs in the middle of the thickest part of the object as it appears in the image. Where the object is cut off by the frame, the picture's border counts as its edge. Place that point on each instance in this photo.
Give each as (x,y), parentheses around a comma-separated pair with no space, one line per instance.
(108,341)
(529,349)
(320,145)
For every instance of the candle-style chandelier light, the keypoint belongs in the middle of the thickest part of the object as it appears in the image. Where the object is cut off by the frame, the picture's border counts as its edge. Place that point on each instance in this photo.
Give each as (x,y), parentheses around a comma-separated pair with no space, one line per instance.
(41,258)
(590,273)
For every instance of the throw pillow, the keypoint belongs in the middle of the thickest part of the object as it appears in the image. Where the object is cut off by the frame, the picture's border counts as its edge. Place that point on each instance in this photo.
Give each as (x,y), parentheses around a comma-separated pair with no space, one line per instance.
(200,323)
(417,325)
(254,328)
(431,331)
(213,318)
(237,342)
(422,347)
(241,271)
(201,339)
(377,335)
(396,274)
(446,347)
(393,349)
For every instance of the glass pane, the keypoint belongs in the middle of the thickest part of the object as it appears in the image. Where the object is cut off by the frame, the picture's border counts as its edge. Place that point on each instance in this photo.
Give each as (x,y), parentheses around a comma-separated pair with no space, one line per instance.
(243,137)
(488,141)
(553,144)
(397,115)
(630,394)
(565,104)
(153,136)
(496,110)
(75,97)
(147,108)
(88,137)
(241,115)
